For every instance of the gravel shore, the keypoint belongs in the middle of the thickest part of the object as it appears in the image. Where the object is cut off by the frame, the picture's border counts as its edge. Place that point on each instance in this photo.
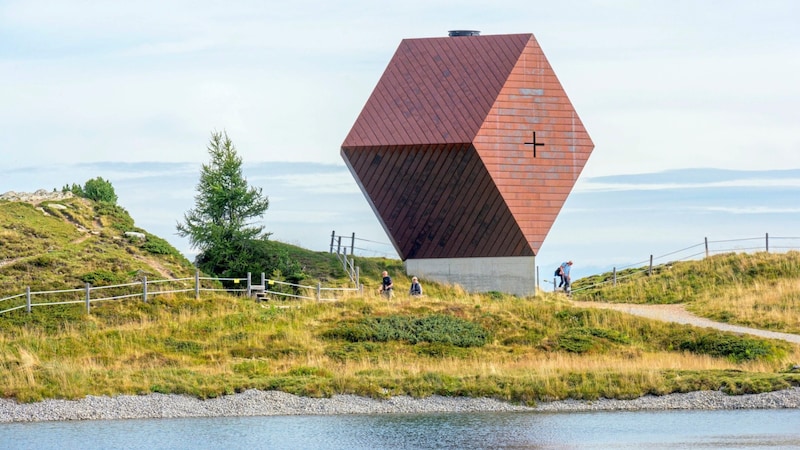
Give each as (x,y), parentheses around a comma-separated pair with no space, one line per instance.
(271,403)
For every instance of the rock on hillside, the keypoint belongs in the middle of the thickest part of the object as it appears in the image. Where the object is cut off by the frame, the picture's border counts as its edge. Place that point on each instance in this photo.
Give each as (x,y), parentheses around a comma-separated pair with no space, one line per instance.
(37,197)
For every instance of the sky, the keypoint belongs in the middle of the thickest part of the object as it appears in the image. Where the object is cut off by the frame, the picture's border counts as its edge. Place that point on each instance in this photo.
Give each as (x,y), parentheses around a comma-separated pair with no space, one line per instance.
(676,91)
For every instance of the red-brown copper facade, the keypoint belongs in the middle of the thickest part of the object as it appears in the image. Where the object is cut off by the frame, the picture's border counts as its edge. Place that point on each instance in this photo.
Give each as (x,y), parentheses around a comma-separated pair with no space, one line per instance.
(442,147)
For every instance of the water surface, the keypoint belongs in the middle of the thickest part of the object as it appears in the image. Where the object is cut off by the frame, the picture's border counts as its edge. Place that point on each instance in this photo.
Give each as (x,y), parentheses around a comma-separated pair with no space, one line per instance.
(729,429)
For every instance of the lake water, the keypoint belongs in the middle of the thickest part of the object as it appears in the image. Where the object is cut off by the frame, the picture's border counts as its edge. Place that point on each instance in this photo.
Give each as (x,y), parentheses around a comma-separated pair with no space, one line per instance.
(730,429)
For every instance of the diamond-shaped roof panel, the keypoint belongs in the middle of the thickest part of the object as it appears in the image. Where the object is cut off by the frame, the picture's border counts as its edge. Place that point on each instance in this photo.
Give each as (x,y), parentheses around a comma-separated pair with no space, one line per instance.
(437,90)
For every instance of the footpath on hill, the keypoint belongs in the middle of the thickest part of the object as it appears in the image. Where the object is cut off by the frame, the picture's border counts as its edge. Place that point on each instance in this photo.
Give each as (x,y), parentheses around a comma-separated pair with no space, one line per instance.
(677,313)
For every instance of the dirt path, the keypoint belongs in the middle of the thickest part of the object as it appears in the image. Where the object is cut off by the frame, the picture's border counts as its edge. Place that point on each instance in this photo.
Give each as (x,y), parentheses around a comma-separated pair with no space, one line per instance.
(678,314)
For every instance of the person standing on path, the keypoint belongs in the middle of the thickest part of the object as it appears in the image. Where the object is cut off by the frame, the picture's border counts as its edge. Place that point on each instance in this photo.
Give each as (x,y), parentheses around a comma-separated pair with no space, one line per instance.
(386,285)
(563,272)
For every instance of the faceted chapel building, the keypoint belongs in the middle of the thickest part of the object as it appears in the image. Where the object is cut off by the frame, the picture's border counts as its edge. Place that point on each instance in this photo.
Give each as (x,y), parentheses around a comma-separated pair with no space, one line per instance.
(466,151)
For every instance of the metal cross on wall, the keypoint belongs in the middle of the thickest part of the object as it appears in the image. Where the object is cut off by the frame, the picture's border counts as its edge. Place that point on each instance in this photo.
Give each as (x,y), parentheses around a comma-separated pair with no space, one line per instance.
(535,144)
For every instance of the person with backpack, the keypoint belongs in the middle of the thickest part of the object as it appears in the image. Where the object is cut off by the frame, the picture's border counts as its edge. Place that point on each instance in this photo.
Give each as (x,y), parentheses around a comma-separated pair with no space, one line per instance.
(563,272)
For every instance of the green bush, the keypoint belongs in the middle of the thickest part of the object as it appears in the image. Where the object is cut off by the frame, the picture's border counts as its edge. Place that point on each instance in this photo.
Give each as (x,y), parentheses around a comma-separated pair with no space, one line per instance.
(104,278)
(100,190)
(576,340)
(587,339)
(736,348)
(157,246)
(441,329)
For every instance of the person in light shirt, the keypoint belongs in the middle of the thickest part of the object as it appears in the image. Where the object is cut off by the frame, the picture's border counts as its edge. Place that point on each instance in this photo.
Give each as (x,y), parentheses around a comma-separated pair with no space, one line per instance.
(563,272)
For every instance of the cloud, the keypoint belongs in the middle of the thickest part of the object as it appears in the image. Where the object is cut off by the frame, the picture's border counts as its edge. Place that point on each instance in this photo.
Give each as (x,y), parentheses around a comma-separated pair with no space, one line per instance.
(657,88)
(758,210)
(752,183)
(691,179)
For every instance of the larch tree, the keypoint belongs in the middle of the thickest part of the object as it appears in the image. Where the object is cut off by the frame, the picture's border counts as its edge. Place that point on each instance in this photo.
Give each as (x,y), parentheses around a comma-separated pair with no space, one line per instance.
(221,225)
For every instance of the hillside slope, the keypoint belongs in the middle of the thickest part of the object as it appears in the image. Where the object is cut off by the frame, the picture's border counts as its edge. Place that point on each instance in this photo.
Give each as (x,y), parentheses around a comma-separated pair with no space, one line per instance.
(760,290)
(59,241)
(54,240)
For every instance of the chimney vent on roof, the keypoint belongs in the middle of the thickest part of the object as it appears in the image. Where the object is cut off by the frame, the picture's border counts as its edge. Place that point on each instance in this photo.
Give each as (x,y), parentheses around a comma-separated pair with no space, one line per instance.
(455,33)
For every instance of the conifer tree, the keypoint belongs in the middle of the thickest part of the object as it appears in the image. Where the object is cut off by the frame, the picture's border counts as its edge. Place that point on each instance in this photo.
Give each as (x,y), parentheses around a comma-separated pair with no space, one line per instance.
(221,225)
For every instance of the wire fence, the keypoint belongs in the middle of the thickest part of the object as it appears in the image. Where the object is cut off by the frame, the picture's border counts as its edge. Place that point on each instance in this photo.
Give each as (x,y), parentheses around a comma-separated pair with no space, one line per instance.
(365,247)
(701,250)
(147,289)
(269,289)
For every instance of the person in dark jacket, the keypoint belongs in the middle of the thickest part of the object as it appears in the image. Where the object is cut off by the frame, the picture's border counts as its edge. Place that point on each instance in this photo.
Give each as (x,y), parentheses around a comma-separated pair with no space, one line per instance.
(386,285)
(416,288)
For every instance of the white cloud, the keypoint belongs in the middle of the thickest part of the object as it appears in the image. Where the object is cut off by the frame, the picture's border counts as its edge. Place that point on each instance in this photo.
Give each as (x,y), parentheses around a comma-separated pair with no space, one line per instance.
(591,186)
(749,209)
(675,84)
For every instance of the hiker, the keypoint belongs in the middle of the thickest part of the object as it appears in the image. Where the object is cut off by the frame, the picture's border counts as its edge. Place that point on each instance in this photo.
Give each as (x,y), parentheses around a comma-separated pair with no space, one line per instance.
(416,288)
(563,272)
(386,285)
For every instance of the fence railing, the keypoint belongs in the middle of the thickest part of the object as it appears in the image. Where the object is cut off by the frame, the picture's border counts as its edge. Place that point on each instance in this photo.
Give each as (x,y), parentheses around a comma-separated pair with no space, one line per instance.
(147,289)
(348,264)
(702,250)
(269,288)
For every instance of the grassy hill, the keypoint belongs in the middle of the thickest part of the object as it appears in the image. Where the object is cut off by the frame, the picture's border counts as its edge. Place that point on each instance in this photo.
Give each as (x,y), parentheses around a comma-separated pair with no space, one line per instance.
(448,342)
(65,243)
(760,290)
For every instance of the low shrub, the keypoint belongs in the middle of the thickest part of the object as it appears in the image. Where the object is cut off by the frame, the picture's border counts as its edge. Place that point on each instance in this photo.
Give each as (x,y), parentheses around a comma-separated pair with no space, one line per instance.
(157,246)
(576,341)
(433,329)
(104,277)
(735,348)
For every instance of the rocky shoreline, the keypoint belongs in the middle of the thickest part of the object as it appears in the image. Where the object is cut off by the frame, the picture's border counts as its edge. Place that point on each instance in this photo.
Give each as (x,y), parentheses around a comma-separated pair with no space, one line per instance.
(272,403)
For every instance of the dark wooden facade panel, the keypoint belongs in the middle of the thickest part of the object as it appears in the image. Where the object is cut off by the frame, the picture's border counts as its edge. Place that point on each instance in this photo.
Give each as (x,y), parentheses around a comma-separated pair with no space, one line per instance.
(437,202)
(433,164)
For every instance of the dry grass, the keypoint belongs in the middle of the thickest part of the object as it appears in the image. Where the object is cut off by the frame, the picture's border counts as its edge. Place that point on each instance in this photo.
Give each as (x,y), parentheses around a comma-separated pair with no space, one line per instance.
(760,290)
(222,345)
(772,305)
(538,348)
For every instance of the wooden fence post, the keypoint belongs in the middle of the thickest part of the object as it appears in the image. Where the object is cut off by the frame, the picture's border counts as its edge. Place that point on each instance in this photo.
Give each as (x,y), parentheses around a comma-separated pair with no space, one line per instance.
(197,284)
(615,276)
(333,238)
(319,291)
(28,299)
(144,288)
(88,297)
(706,246)
(650,271)
(353,244)
(249,286)
(767,242)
